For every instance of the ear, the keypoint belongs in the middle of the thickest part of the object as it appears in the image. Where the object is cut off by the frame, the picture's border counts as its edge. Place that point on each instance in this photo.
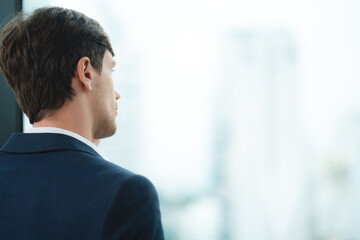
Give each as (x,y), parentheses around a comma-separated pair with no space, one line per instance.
(85,73)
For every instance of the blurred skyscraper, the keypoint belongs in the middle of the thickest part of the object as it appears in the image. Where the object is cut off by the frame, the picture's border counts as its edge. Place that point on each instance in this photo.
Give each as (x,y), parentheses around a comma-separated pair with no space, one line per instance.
(259,157)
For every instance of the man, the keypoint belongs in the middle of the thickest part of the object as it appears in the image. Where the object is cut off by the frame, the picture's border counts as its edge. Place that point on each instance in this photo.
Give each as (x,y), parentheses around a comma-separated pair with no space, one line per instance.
(54,182)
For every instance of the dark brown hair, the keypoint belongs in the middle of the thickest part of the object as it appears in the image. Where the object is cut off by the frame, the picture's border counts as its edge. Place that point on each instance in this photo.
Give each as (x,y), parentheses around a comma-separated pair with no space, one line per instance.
(39,54)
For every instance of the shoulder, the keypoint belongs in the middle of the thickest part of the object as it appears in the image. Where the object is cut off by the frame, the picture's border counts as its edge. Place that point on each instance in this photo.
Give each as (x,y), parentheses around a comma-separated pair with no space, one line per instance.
(125,189)
(120,179)
(96,165)
(136,188)
(132,193)
(134,211)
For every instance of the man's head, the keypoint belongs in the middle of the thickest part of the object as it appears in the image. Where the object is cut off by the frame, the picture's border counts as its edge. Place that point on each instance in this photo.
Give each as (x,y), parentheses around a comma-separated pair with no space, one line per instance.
(40,55)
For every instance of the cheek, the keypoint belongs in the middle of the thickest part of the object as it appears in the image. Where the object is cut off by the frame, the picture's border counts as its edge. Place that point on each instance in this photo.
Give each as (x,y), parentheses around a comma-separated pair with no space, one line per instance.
(111,89)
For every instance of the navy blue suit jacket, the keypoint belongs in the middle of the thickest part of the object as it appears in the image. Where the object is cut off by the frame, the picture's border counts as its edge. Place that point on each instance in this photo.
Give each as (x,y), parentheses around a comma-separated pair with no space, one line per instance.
(53,186)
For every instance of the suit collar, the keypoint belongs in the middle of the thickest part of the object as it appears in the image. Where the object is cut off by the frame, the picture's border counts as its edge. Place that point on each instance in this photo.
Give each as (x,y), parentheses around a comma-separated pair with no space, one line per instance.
(44,142)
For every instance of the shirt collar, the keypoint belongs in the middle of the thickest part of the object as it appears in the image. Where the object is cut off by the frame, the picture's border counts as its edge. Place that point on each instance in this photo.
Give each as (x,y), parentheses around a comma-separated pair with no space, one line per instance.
(68,133)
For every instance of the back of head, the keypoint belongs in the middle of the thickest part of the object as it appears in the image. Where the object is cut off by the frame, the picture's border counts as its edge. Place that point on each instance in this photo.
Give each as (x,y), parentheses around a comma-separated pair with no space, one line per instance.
(39,54)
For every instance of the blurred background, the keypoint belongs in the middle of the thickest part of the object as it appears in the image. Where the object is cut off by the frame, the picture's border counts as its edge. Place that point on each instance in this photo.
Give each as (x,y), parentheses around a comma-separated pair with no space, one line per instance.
(244,114)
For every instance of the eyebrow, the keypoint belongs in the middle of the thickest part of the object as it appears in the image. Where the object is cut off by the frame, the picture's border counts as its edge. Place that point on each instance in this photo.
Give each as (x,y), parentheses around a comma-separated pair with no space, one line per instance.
(113,63)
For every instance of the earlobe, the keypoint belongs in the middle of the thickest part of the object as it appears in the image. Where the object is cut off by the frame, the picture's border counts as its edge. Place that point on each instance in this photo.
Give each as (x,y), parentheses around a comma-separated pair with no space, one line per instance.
(84,73)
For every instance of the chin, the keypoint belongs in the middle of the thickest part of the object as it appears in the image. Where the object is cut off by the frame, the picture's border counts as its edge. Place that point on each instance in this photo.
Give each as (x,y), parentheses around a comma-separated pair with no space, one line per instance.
(105,130)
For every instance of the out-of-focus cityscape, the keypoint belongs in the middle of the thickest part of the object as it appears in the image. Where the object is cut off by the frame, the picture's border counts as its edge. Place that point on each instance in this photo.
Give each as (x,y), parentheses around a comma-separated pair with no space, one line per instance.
(244,114)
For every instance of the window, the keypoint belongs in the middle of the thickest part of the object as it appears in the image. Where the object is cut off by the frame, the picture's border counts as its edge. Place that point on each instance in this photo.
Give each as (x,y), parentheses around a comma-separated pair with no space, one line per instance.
(245,115)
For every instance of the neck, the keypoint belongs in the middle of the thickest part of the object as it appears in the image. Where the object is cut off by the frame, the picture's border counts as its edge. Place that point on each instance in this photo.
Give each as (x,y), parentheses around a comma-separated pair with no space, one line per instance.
(69,117)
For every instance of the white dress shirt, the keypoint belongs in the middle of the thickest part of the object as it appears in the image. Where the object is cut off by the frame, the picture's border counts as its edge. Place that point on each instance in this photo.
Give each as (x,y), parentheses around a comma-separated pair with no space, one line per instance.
(69,133)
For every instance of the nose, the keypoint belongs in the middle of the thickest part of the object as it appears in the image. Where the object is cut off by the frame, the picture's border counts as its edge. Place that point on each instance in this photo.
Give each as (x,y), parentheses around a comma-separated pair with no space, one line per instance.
(117,95)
